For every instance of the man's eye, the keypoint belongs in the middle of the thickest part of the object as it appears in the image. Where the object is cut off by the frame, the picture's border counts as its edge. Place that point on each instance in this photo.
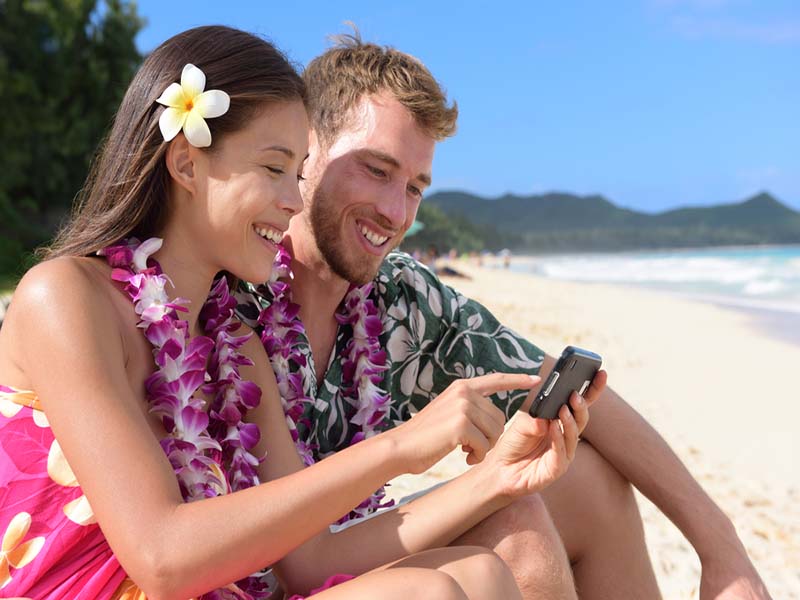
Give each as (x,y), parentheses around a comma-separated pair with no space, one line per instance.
(376,171)
(415,191)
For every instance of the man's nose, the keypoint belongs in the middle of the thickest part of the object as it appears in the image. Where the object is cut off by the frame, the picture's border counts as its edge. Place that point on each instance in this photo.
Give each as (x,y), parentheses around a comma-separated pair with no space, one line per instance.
(393,206)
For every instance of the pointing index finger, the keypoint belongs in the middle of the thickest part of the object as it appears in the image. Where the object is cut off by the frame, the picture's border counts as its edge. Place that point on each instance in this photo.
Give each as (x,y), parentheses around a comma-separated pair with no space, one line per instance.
(492,383)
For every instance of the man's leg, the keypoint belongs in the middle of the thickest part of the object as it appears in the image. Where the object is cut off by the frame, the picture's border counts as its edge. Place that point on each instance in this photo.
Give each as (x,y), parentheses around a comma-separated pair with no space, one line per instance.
(595,512)
(596,516)
(524,536)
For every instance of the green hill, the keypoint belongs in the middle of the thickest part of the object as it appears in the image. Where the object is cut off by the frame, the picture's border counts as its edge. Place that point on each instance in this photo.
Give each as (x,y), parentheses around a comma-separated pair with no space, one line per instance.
(446,231)
(561,221)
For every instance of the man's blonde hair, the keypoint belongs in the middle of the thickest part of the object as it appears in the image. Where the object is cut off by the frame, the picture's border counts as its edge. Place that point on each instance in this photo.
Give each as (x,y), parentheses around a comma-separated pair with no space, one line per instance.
(338,79)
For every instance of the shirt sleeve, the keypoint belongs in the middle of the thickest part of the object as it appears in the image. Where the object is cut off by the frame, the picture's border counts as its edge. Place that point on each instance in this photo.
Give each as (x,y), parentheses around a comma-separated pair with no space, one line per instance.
(435,335)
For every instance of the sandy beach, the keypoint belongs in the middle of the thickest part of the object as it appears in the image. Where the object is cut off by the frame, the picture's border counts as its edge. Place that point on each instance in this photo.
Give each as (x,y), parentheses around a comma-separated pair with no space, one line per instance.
(714,383)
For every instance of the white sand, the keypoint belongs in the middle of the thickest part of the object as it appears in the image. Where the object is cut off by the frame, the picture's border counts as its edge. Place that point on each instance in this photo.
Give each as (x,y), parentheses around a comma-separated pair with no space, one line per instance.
(725,395)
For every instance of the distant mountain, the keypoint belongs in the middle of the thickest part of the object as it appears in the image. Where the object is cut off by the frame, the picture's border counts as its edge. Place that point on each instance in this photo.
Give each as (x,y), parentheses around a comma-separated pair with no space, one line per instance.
(761,209)
(560,221)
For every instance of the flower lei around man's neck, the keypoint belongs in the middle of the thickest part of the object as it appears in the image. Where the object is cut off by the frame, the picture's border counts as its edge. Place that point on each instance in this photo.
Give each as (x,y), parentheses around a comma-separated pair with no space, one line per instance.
(362,368)
(198,442)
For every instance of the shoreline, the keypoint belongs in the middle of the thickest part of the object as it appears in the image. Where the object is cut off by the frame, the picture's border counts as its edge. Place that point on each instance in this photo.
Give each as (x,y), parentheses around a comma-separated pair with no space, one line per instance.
(778,318)
(779,323)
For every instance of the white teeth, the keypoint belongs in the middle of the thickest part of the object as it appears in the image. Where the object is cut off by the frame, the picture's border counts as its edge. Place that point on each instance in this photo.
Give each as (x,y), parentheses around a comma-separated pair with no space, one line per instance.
(273,235)
(374,238)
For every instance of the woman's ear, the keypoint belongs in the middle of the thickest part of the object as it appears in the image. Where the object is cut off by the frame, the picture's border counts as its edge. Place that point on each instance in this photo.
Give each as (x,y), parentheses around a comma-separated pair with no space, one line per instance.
(180,163)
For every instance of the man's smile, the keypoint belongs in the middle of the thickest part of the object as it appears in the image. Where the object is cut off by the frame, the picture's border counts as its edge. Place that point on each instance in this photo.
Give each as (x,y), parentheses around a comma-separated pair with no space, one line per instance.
(375,238)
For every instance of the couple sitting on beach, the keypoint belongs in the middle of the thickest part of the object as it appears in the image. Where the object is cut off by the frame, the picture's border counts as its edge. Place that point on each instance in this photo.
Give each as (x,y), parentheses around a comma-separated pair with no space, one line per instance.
(151,446)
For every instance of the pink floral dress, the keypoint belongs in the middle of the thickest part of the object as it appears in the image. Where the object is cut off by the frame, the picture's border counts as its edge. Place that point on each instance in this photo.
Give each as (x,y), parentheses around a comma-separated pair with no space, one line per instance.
(52,547)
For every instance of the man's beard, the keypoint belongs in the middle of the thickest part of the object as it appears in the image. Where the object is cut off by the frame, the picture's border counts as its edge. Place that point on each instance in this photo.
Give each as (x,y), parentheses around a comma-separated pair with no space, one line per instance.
(324,222)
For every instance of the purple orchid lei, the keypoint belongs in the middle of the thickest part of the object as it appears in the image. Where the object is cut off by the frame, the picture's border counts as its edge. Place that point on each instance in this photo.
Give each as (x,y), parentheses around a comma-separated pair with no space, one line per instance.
(362,367)
(198,442)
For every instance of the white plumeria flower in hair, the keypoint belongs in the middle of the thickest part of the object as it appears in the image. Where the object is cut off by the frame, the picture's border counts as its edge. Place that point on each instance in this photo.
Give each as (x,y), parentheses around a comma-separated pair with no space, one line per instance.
(188,106)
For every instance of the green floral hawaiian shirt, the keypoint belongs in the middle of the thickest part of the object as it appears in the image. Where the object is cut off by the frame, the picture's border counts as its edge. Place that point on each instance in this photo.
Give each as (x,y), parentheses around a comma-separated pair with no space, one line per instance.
(433,336)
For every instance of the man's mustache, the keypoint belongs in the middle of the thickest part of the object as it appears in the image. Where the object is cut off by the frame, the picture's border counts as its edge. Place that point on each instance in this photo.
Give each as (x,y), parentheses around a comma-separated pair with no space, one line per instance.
(382,222)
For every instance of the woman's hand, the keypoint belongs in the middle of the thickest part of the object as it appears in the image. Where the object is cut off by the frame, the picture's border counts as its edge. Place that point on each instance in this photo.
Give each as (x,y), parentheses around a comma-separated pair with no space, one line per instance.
(463,416)
(533,453)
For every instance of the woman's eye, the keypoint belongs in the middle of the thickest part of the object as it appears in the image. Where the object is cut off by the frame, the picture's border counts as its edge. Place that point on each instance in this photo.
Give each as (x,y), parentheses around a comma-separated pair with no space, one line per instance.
(275,170)
(300,177)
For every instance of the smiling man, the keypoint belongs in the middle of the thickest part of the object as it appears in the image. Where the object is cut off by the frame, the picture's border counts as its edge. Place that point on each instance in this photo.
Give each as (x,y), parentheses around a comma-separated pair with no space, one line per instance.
(376,116)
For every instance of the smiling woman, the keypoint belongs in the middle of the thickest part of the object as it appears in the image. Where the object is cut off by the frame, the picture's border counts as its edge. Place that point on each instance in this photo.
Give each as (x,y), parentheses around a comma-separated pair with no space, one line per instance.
(135,422)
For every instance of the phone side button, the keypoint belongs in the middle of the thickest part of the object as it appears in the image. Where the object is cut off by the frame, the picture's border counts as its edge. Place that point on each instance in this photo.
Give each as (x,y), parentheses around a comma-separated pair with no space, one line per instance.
(551,382)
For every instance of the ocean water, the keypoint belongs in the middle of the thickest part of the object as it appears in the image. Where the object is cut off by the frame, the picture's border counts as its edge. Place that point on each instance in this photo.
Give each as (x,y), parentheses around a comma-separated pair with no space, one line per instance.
(764,280)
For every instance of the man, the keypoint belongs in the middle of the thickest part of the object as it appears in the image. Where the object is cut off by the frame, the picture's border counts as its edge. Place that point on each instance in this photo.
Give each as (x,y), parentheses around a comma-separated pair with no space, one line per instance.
(376,115)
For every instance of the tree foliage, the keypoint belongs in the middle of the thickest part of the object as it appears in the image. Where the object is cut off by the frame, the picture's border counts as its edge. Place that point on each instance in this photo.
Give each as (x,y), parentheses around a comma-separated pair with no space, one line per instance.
(64,66)
(446,231)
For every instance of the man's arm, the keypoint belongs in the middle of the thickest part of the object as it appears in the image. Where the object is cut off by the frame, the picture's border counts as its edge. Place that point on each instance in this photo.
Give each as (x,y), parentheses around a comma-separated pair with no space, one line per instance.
(435,335)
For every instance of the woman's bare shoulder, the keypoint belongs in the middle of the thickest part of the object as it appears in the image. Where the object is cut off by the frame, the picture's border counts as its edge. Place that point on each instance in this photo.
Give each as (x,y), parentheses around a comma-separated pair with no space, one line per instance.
(60,310)
(63,288)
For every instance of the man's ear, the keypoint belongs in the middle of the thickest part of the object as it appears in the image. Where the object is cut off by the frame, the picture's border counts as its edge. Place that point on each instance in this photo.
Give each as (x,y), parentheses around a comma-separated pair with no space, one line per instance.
(180,163)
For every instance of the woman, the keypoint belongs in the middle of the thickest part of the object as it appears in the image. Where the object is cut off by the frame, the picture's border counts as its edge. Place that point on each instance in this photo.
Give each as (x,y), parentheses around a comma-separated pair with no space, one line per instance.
(138,423)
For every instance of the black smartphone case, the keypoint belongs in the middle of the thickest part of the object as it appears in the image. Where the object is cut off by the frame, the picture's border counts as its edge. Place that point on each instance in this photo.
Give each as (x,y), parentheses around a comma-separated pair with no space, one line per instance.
(574,371)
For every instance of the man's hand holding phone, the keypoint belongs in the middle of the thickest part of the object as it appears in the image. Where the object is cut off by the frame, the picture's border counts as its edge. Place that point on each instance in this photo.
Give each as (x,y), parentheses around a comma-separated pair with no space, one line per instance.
(574,371)
(534,452)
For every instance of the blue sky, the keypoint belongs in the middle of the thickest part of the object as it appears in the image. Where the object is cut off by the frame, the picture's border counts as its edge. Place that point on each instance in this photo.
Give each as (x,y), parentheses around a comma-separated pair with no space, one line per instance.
(652,103)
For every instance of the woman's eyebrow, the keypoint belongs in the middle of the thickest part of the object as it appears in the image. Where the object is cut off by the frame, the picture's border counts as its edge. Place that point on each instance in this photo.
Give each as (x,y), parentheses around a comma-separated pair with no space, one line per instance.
(288,152)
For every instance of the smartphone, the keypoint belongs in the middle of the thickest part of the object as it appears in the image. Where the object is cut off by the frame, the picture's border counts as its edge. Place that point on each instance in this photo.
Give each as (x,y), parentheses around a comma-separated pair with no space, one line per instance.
(573,372)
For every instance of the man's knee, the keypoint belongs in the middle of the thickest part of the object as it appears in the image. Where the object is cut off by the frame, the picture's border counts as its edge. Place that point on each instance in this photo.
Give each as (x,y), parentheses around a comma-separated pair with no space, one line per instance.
(592,504)
(526,515)
(606,492)
(526,538)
